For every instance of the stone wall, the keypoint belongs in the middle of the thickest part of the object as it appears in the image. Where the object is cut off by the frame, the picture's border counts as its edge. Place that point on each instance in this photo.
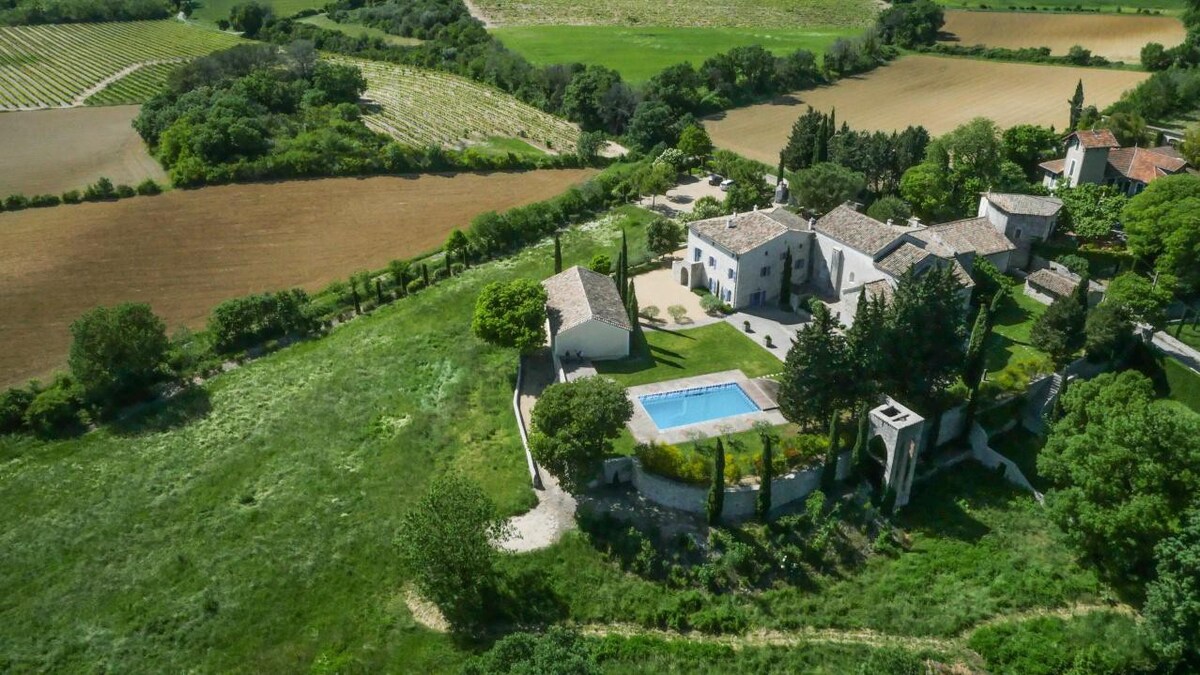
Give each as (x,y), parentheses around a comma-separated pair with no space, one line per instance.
(740,500)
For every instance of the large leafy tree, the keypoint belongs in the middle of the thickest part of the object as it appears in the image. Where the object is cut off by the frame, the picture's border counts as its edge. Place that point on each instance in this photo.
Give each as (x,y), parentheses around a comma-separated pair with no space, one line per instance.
(1107,332)
(663,236)
(911,24)
(1172,607)
(924,331)
(511,314)
(694,142)
(1144,300)
(1059,330)
(1028,145)
(808,132)
(815,370)
(117,352)
(957,167)
(1124,469)
(823,186)
(445,542)
(1091,210)
(1163,224)
(574,424)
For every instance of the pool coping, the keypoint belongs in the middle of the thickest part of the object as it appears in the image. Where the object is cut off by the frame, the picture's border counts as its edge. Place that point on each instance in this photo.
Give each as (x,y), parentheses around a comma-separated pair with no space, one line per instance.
(644,429)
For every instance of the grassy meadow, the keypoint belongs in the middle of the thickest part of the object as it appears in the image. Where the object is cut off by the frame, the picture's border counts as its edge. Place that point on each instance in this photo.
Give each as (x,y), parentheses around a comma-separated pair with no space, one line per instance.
(739,13)
(638,52)
(212,11)
(358,30)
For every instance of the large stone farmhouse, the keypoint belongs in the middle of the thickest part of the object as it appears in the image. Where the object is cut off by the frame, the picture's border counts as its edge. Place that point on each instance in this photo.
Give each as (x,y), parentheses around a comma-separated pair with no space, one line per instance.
(587,320)
(740,258)
(1097,157)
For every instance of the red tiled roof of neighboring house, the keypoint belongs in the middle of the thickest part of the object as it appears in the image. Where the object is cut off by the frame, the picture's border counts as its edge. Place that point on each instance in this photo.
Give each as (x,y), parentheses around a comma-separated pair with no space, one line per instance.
(1054,166)
(1144,164)
(1100,138)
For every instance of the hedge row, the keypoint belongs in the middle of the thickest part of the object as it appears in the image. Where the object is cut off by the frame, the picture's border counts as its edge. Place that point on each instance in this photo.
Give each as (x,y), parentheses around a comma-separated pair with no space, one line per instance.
(100,191)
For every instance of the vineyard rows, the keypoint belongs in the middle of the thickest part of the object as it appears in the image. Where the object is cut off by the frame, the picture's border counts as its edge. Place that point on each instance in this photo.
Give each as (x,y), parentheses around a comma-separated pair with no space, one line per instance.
(51,66)
(136,87)
(421,108)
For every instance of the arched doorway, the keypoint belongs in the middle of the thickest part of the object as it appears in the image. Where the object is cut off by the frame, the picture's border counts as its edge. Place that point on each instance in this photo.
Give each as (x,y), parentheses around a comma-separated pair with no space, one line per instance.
(684,276)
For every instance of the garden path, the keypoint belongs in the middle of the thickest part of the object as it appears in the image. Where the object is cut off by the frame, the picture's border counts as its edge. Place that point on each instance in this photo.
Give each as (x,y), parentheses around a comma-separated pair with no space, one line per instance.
(780,325)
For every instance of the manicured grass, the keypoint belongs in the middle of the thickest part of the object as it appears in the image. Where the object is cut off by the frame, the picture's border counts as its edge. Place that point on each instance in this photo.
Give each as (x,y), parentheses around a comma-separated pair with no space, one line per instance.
(1190,335)
(669,355)
(641,52)
(357,30)
(212,11)
(1016,315)
(507,146)
(249,526)
(1008,346)
(1183,384)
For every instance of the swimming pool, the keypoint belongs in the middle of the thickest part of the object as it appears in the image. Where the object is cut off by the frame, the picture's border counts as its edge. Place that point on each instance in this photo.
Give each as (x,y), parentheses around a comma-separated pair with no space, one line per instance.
(691,406)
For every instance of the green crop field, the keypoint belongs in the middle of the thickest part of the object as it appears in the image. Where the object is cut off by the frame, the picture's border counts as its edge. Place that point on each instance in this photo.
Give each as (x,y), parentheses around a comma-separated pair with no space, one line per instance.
(57,65)
(212,11)
(424,107)
(730,13)
(638,53)
(136,87)
(358,30)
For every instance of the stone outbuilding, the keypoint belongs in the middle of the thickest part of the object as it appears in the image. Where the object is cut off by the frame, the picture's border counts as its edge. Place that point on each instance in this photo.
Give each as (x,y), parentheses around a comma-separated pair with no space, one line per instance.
(1023,219)
(587,318)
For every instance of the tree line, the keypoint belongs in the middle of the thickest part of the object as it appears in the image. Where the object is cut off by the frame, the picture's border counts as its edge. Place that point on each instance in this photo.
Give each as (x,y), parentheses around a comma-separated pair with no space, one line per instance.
(26,12)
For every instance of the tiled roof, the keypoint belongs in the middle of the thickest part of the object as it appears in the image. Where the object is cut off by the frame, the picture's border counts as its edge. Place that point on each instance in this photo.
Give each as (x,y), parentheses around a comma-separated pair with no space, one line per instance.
(1028,205)
(859,231)
(1100,138)
(880,288)
(902,259)
(976,235)
(1143,164)
(579,295)
(1054,166)
(750,230)
(786,218)
(964,277)
(1053,282)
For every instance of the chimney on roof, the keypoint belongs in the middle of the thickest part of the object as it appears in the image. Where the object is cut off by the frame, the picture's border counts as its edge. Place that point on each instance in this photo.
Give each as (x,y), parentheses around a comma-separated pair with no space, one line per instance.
(855,205)
(812,222)
(729,224)
(890,221)
(914,222)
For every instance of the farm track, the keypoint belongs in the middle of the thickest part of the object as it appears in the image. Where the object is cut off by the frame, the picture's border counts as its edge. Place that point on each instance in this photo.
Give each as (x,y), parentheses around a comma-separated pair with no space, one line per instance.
(124,72)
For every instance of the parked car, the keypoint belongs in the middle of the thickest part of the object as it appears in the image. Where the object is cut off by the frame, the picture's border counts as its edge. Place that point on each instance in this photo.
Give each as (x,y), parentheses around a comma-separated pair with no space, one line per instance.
(725,184)
(714,179)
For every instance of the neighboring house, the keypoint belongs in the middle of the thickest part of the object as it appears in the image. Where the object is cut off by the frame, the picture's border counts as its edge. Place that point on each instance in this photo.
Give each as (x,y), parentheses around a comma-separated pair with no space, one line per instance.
(586,316)
(1023,219)
(1097,157)
(1046,285)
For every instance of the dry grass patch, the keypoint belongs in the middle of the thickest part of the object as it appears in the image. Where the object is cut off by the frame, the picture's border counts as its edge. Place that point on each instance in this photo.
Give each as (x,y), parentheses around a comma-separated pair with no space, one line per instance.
(185,251)
(1118,37)
(939,93)
(51,151)
(721,14)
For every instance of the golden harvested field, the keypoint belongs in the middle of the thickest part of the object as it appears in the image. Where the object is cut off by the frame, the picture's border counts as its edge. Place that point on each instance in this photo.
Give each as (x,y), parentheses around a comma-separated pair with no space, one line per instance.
(939,93)
(52,151)
(1118,37)
(185,251)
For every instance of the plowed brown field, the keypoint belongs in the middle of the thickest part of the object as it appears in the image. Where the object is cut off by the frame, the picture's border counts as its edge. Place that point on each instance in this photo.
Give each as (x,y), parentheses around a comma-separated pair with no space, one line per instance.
(185,251)
(52,151)
(939,93)
(1118,37)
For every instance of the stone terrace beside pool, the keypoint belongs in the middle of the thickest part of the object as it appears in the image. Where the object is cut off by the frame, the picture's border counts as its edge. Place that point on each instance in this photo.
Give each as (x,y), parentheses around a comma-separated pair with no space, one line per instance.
(644,430)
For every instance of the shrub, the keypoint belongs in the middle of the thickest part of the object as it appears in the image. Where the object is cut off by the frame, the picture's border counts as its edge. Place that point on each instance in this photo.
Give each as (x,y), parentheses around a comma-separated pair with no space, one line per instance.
(15,202)
(41,201)
(678,313)
(711,304)
(55,412)
(101,190)
(457,269)
(650,313)
(671,461)
(71,197)
(148,187)
(601,264)
(243,322)
(13,405)
(415,285)
(1076,264)
(440,274)
(124,191)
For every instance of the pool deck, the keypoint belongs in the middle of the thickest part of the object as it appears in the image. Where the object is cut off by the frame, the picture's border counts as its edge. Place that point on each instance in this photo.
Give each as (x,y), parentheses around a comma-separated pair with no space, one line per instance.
(644,430)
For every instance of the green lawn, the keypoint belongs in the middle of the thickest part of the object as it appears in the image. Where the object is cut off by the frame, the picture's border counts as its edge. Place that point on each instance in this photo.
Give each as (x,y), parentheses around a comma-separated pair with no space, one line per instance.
(1016,315)
(250,526)
(497,146)
(1190,335)
(670,355)
(212,11)
(356,30)
(1183,384)
(640,52)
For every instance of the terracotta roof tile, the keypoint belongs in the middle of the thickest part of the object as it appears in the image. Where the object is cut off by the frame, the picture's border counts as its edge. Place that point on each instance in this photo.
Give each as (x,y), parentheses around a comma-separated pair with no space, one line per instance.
(976,235)
(1029,205)
(1054,166)
(902,259)
(1051,281)
(859,231)
(578,295)
(1100,138)
(1143,164)
(750,230)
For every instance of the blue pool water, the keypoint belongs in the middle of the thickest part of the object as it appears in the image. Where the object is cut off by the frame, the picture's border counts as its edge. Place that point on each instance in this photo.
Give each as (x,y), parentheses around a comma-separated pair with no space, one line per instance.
(691,406)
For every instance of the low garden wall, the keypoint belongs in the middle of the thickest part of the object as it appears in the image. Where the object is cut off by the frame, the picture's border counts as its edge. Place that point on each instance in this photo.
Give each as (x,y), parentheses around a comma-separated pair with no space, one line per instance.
(740,500)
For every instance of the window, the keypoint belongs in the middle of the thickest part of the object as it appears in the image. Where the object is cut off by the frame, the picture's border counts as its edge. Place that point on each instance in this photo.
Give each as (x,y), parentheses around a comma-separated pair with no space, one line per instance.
(799,262)
(852,277)
(1018,234)
(696,255)
(783,254)
(729,273)
(765,271)
(728,295)
(1071,170)
(712,262)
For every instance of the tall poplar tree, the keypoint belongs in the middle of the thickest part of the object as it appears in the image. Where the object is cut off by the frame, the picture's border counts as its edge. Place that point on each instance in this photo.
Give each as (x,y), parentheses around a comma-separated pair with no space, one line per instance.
(716,493)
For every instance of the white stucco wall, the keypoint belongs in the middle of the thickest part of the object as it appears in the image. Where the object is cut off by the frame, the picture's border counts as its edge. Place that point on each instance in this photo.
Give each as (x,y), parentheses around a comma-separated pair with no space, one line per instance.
(856,268)
(746,268)
(597,340)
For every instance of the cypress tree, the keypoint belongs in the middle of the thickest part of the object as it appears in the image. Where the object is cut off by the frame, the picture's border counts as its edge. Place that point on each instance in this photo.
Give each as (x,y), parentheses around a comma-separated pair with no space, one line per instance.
(1081,292)
(402,282)
(716,493)
(1076,104)
(354,296)
(446,263)
(466,258)
(829,473)
(631,305)
(785,283)
(763,506)
(858,457)
(425,273)
(619,275)
(557,254)
(379,292)
(624,257)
